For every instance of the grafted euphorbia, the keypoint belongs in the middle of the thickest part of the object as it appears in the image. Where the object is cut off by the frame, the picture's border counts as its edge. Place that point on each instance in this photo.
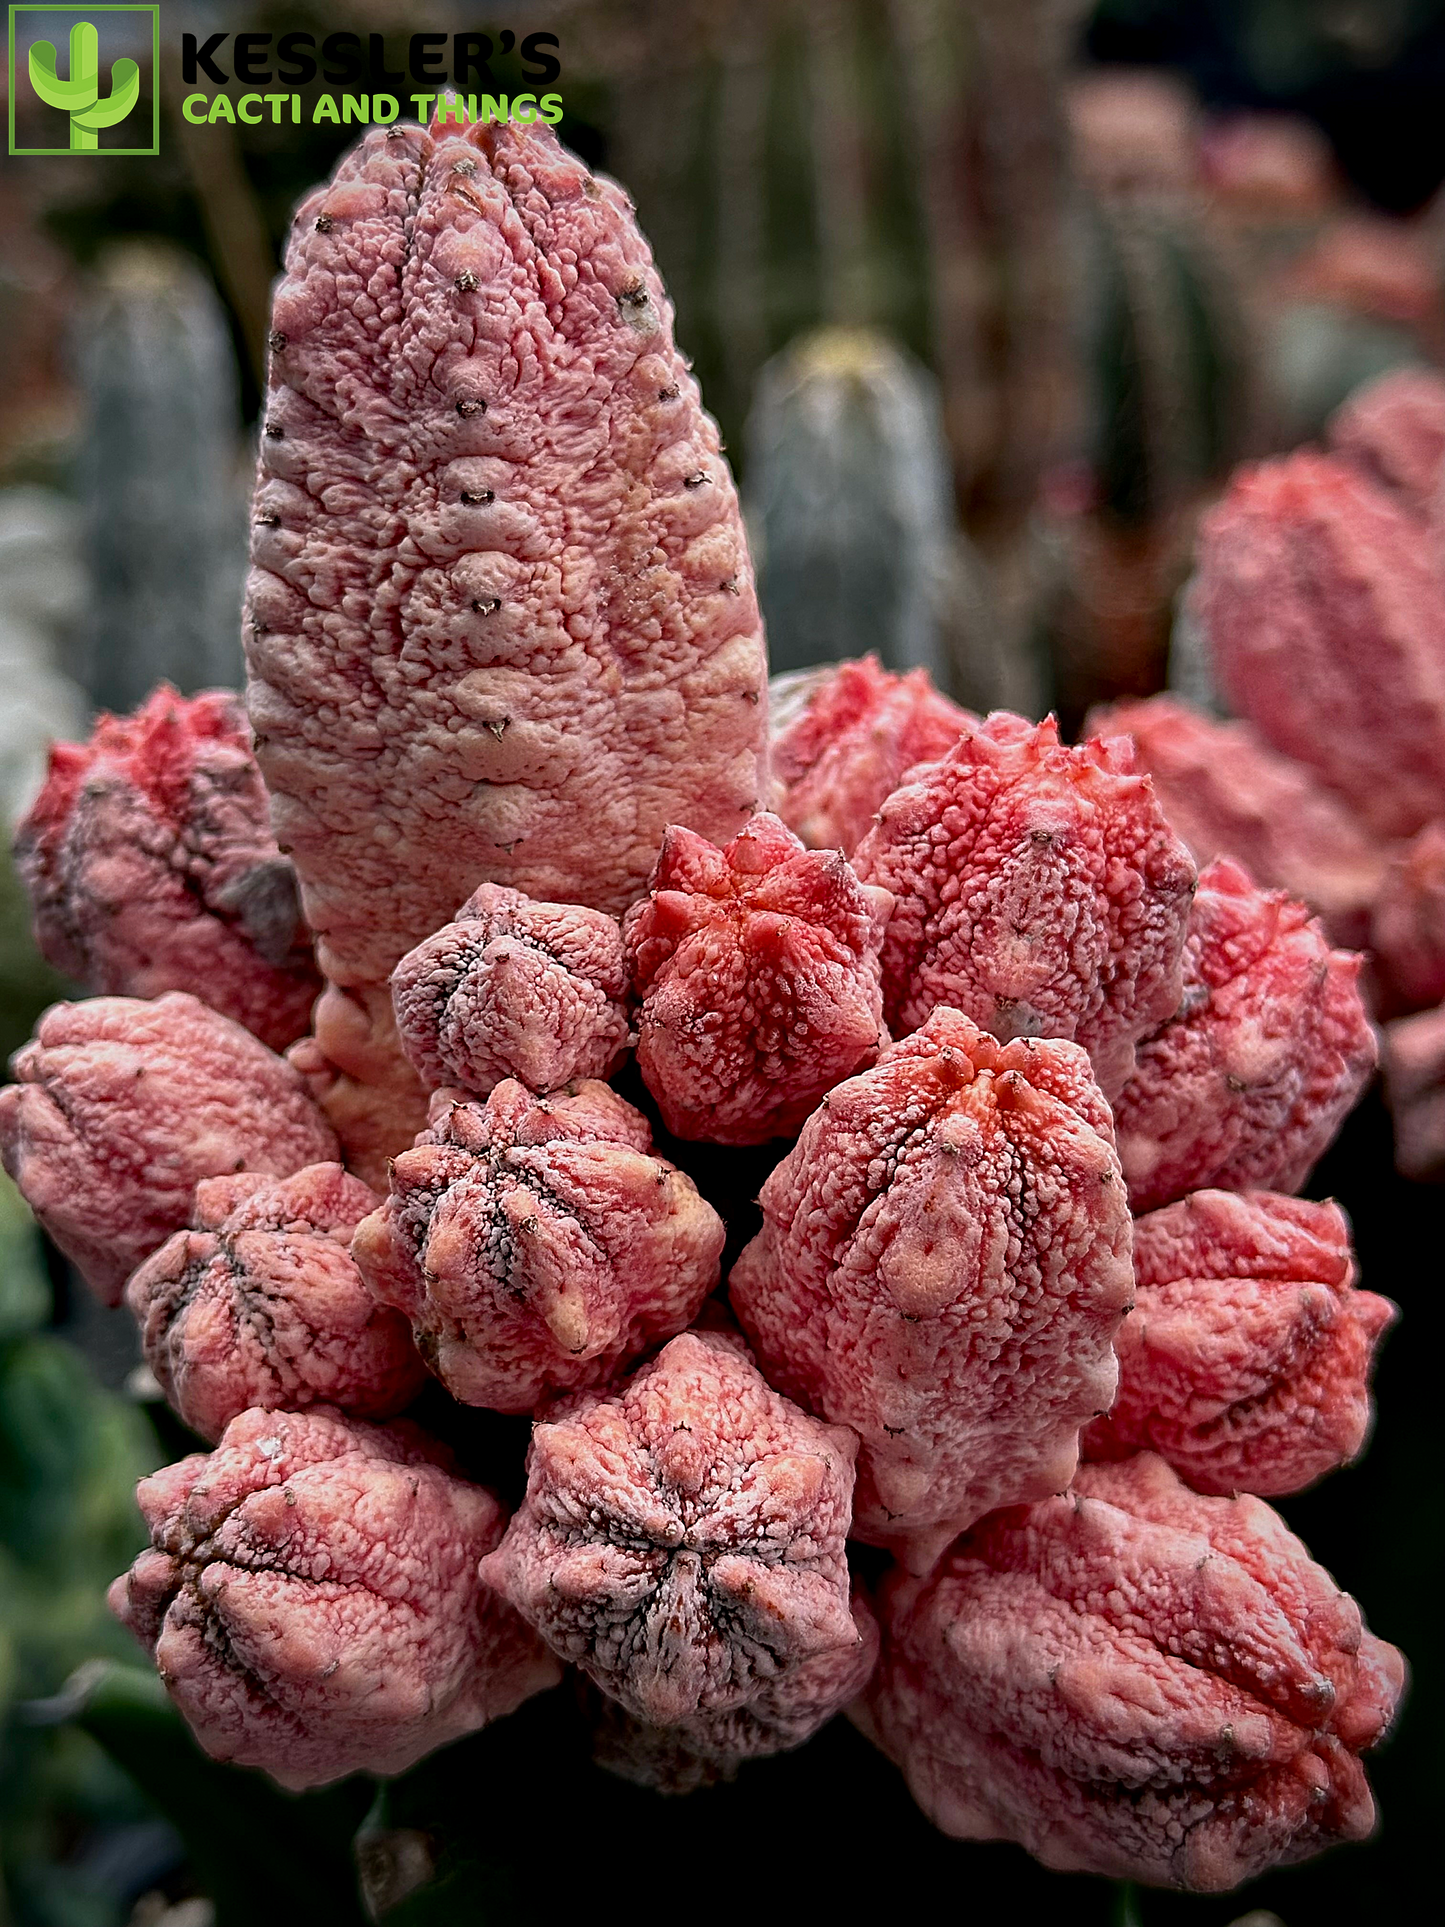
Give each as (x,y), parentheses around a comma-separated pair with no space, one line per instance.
(505,653)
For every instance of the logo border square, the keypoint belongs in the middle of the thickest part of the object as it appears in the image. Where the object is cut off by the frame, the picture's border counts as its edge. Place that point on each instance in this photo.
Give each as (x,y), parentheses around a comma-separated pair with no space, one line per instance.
(152,7)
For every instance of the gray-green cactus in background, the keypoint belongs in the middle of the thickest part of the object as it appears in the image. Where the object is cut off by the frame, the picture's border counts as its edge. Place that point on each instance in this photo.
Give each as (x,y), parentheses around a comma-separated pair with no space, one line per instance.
(1171,366)
(164,523)
(42,596)
(849,500)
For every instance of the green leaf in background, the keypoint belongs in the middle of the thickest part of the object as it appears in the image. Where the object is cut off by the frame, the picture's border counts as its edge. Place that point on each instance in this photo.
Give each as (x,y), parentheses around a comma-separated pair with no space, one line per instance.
(262,1855)
(27,983)
(70,1456)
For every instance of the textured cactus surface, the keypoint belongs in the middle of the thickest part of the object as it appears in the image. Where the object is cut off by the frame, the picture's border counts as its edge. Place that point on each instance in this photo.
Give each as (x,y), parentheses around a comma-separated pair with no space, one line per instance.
(501,623)
(505,655)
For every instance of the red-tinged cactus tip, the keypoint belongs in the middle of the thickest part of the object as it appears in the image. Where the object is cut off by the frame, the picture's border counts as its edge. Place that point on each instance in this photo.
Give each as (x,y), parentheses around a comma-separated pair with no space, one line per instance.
(151,866)
(513,988)
(943,1264)
(756,972)
(501,623)
(259,1304)
(1393,430)
(845,737)
(118,1110)
(1322,608)
(1228,794)
(1039,890)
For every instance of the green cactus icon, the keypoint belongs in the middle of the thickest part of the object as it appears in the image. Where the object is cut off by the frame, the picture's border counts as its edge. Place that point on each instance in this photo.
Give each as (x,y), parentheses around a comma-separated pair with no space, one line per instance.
(80,95)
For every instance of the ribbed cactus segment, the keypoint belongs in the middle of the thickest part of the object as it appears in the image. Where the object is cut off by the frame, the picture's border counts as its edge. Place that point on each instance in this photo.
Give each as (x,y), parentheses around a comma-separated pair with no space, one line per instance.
(1169,359)
(165,517)
(80,95)
(849,501)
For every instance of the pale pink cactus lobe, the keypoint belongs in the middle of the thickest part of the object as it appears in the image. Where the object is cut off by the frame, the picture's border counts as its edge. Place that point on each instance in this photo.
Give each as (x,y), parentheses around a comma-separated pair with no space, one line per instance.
(1270,1049)
(151,866)
(512,988)
(1039,890)
(355,1069)
(1246,1360)
(943,1263)
(1135,1681)
(118,1110)
(537,1243)
(845,740)
(1322,607)
(682,1540)
(501,619)
(1228,794)
(312,1600)
(756,971)
(260,1304)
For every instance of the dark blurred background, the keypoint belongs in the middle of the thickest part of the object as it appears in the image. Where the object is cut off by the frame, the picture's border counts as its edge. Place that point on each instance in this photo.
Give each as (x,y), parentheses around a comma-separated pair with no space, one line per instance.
(988,299)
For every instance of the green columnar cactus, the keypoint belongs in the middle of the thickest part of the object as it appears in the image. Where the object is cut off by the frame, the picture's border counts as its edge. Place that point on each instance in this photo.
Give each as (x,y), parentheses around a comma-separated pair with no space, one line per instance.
(80,95)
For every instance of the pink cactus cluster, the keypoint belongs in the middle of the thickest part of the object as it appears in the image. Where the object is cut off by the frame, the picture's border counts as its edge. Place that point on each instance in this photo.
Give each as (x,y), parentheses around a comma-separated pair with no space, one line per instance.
(1321,595)
(960,992)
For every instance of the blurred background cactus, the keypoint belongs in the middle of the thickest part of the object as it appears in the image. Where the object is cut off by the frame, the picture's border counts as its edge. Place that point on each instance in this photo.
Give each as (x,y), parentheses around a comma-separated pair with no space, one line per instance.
(988,298)
(158,473)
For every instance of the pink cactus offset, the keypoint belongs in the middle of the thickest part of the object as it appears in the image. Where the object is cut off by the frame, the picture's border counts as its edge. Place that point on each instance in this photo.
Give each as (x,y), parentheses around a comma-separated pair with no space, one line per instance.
(151,866)
(260,1304)
(512,988)
(1039,890)
(537,1244)
(844,740)
(1407,934)
(501,620)
(312,1600)
(1323,610)
(1393,430)
(1228,794)
(1134,1681)
(682,1542)
(118,1110)
(756,969)
(1246,1360)
(1270,1049)
(709,1747)
(943,1264)
(355,1069)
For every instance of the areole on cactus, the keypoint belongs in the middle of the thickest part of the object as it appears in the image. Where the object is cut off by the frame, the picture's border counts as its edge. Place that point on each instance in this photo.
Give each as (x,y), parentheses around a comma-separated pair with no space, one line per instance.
(508,686)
